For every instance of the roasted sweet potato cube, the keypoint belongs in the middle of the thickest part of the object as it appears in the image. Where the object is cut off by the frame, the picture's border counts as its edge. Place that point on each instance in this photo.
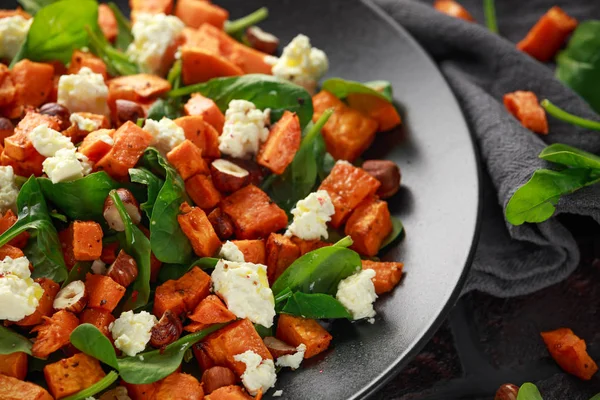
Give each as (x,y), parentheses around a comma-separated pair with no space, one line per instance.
(387,274)
(141,392)
(72,375)
(196,226)
(97,144)
(152,6)
(8,219)
(32,166)
(380,110)
(254,250)
(307,246)
(187,160)
(209,311)
(232,392)
(87,240)
(253,213)
(182,295)
(33,82)
(101,319)
(221,223)
(66,242)
(369,225)
(178,386)
(167,298)
(109,252)
(202,191)
(44,308)
(103,292)
(348,133)
(206,108)
(7,87)
(16,389)
(77,134)
(200,132)
(107,22)
(347,186)
(141,88)
(10,251)
(281,253)
(53,333)
(282,144)
(235,338)
(195,13)
(200,65)
(14,365)
(18,146)
(569,351)
(297,330)
(81,59)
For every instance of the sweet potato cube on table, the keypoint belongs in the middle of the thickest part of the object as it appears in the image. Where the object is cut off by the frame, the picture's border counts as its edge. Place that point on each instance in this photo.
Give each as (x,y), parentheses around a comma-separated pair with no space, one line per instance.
(347,186)
(87,240)
(281,253)
(453,9)
(16,389)
(206,108)
(187,160)
(199,65)
(182,295)
(101,319)
(107,22)
(7,87)
(6,221)
(152,6)
(282,144)
(95,145)
(14,365)
(253,213)
(198,229)
(380,110)
(179,386)
(53,333)
(209,311)
(232,392)
(369,225)
(306,246)
(200,132)
(33,82)
(71,375)
(45,305)
(103,292)
(297,330)
(569,352)
(81,59)
(202,191)
(194,13)
(387,274)
(254,250)
(10,251)
(348,133)
(141,392)
(526,108)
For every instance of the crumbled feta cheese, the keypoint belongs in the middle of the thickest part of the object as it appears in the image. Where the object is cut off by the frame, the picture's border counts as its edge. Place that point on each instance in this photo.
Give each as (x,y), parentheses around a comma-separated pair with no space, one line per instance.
(357,294)
(245,289)
(19,294)
(47,141)
(84,91)
(8,189)
(311,216)
(13,31)
(244,130)
(278,393)
(300,63)
(131,332)
(99,267)
(66,165)
(229,251)
(292,361)
(259,374)
(153,34)
(167,134)
(83,123)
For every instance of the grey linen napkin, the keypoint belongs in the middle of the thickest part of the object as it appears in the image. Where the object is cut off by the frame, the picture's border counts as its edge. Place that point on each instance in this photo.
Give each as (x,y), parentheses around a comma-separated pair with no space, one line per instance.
(480,68)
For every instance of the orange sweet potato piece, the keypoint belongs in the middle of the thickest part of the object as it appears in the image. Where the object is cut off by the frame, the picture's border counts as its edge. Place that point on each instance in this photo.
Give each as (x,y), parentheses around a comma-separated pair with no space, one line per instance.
(77,135)
(281,253)
(569,351)
(103,292)
(198,229)
(194,13)
(33,82)
(209,311)
(297,330)
(526,108)
(87,240)
(18,146)
(107,22)
(380,110)
(16,389)
(32,166)
(369,225)
(130,143)
(254,250)
(101,319)
(548,35)
(347,186)
(307,246)
(72,375)
(200,132)
(453,9)
(7,87)
(10,251)
(8,220)
(199,65)
(140,88)
(187,160)
(253,213)
(232,392)
(182,295)
(348,133)
(202,191)
(93,147)
(81,59)
(387,274)
(66,242)
(206,108)
(53,333)
(179,386)
(14,365)
(235,338)
(152,6)
(44,308)
(282,144)
(141,392)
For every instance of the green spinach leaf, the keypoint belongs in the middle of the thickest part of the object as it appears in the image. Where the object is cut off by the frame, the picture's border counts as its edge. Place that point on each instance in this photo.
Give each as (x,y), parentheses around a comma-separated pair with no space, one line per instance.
(383,87)
(154,184)
(315,306)
(78,272)
(116,62)
(164,108)
(341,88)
(397,229)
(570,156)
(528,391)
(12,342)
(124,36)
(262,331)
(88,339)
(97,387)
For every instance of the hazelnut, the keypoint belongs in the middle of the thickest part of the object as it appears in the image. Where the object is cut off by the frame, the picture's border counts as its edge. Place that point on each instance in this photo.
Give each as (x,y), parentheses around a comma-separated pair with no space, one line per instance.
(128,111)
(387,173)
(166,331)
(60,112)
(111,213)
(72,297)
(217,377)
(227,176)
(124,270)
(221,223)
(508,391)
(278,348)
(261,40)
(6,128)
(257,173)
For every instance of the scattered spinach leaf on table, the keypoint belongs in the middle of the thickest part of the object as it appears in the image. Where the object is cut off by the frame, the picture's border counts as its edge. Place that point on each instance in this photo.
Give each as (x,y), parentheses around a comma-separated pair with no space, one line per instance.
(124,36)
(570,156)
(315,306)
(97,387)
(12,342)
(562,115)
(154,183)
(342,88)
(528,391)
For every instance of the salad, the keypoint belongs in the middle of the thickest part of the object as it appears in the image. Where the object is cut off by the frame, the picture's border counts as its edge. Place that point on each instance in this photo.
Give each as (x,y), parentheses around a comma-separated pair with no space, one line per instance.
(180,207)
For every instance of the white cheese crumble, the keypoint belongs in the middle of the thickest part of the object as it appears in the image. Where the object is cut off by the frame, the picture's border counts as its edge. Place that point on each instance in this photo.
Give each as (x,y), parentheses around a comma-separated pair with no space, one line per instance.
(153,34)
(311,216)
(131,332)
(167,134)
(84,91)
(83,123)
(13,31)
(245,289)
(259,374)
(99,267)
(47,141)
(229,251)
(244,130)
(292,361)
(300,63)
(19,294)
(8,189)
(66,165)
(357,294)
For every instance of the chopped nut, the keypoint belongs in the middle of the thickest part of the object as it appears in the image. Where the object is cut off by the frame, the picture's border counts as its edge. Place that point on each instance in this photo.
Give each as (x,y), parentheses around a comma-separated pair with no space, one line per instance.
(217,377)
(166,331)
(227,176)
(72,297)
(387,173)
(111,213)
(60,112)
(124,270)
(261,40)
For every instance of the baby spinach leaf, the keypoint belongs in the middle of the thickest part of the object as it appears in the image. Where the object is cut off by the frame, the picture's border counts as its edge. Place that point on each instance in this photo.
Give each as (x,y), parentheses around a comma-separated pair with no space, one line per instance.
(528,391)
(536,200)
(325,161)
(97,387)
(570,156)
(262,331)
(164,108)
(238,27)
(154,184)
(265,91)
(82,198)
(12,342)
(124,36)
(383,87)
(88,339)
(78,272)
(116,62)
(341,88)
(397,229)
(315,306)
(33,6)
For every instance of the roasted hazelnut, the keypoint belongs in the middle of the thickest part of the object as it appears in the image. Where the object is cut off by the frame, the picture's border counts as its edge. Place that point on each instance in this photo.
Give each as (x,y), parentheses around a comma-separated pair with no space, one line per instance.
(111,213)
(6,128)
(166,331)
(508,391)
(124,270)
(222,224)
(387,173)
(261,40)
(72,297)
(257,173)
(278,348)
(60,112)
(128,111)
(227,176)
(217,377)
